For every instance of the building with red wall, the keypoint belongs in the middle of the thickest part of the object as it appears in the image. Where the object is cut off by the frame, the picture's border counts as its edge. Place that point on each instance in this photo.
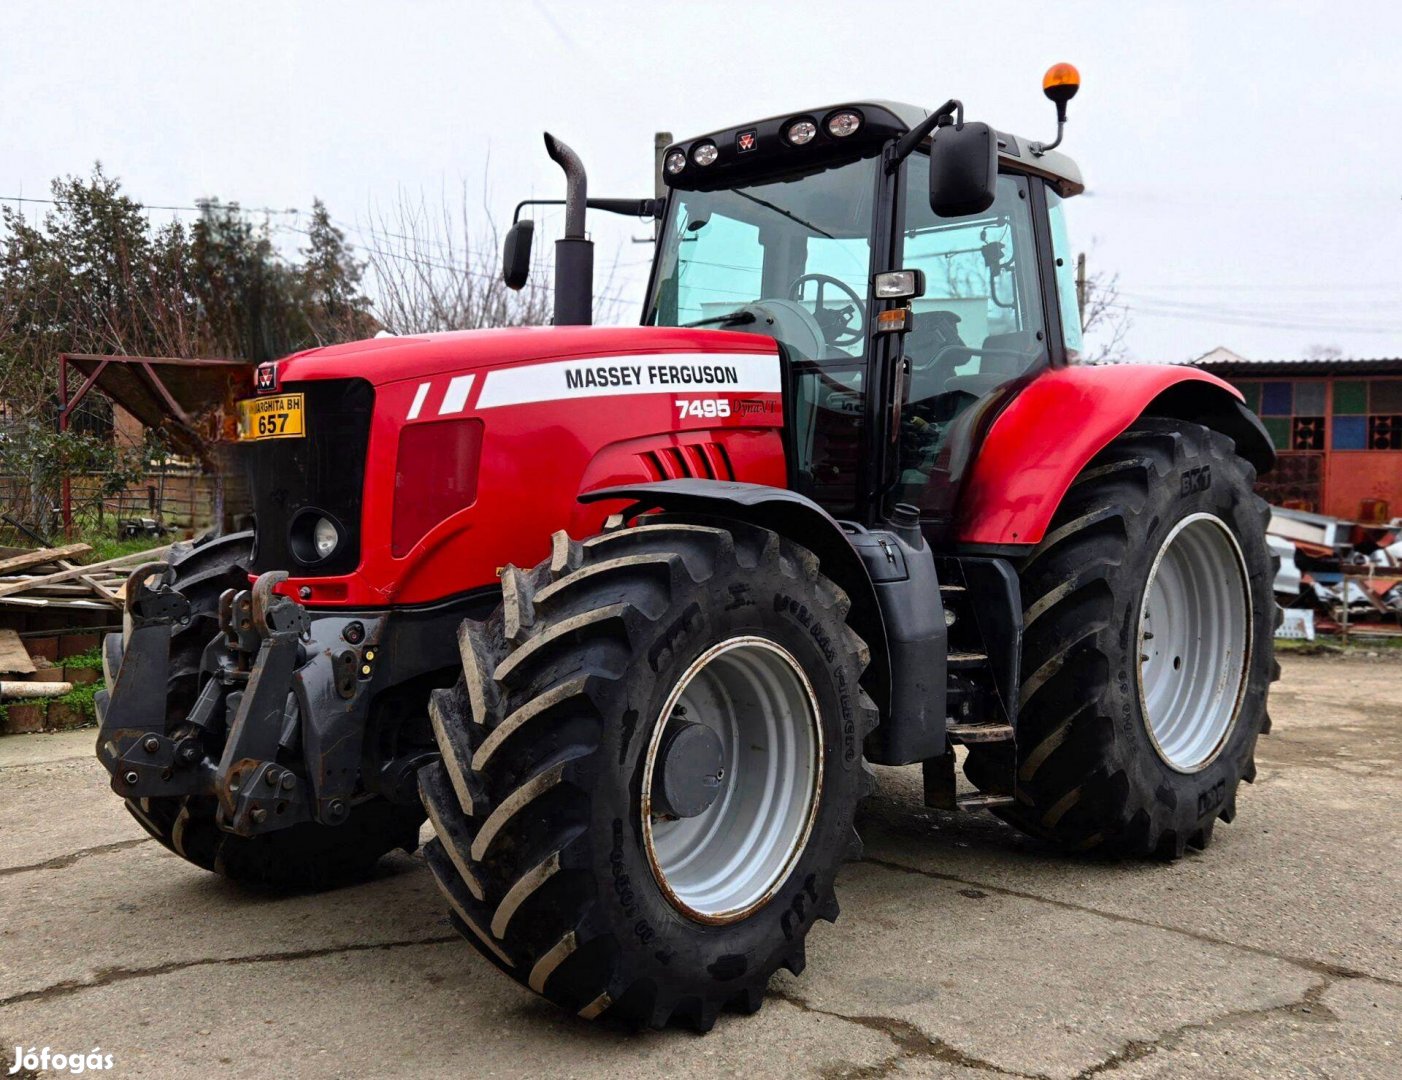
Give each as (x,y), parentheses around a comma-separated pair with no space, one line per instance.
(1337,428)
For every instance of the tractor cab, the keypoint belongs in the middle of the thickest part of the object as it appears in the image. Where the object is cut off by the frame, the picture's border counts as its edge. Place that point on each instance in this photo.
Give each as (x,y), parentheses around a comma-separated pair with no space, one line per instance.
(914,269)
(903,327)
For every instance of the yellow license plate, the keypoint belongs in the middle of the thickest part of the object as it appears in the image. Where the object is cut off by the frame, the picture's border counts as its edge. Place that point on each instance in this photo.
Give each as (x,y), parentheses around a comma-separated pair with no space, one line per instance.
(277,416)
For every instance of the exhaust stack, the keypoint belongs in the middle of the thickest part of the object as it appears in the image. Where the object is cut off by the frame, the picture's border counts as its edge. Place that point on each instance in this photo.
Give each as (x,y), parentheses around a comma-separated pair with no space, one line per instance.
(574,254)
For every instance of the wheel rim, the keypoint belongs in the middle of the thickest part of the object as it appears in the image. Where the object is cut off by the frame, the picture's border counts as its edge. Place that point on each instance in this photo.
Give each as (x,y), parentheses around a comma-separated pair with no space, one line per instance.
(1194,642)
(727,861)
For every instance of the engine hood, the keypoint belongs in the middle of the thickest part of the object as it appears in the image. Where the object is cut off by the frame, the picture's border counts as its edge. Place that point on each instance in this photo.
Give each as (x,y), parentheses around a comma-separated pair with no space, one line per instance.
(385,360)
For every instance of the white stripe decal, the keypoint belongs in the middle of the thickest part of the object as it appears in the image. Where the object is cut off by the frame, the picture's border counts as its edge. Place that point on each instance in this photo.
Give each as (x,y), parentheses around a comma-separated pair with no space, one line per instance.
(456,397)
(418,400)
(612,376)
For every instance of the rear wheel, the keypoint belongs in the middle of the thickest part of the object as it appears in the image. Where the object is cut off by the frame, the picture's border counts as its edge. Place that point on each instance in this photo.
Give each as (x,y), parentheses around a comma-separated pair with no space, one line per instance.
(306,856)
(650,770)
(1147,649)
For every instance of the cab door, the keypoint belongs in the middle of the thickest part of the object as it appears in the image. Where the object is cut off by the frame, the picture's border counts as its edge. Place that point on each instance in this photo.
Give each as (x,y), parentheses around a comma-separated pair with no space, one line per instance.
(987,324)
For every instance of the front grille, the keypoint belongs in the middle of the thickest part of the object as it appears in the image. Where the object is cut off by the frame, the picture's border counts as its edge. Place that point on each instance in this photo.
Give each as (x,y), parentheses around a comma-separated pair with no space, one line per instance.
(324,470)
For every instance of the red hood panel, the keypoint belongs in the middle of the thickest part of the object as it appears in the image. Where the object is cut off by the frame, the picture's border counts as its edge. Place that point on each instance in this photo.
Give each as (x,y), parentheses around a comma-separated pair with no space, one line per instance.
(391,359)
(556,412)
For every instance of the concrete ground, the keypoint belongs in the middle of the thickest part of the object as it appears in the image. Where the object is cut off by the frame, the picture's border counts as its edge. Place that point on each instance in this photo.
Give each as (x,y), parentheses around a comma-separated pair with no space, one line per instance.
(963,948)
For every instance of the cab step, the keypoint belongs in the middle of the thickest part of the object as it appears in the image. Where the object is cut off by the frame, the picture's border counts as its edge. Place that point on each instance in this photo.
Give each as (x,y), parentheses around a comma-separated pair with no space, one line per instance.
(980,801)
(980,733)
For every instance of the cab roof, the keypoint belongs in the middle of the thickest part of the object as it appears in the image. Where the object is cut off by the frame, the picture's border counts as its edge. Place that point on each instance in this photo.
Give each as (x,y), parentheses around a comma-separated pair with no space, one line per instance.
(760,147)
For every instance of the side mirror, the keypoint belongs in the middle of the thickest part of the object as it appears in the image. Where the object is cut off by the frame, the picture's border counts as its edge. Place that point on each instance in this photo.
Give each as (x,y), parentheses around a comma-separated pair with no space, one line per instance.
(963,169)
(516,254)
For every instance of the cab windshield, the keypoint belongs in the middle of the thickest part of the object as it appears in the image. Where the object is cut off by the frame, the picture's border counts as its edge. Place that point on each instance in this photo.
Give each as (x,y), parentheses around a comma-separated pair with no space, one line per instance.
(800,246)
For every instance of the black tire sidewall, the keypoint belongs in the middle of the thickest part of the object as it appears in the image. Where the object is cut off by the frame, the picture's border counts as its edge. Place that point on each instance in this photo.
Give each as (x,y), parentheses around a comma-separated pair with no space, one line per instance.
(632,907)
(1202,483)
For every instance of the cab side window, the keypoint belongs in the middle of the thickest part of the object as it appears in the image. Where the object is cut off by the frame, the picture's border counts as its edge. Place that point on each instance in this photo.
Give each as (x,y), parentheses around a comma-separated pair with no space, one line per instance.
(1065,276)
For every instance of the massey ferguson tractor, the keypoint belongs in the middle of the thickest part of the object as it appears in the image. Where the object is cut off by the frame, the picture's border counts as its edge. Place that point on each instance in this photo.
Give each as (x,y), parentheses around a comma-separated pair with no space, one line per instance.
(627,611)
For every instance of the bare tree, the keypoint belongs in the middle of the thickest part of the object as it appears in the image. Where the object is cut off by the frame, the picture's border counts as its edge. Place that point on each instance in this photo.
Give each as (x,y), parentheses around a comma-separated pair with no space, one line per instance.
(435,264)
(1105,319)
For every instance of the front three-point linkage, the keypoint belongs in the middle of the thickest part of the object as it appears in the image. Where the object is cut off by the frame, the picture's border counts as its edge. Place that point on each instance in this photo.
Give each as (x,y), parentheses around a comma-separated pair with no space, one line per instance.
(255,793)
(247,704)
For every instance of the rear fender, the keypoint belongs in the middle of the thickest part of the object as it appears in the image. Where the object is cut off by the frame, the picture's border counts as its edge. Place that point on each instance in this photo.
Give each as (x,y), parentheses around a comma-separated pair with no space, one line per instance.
(1054,427)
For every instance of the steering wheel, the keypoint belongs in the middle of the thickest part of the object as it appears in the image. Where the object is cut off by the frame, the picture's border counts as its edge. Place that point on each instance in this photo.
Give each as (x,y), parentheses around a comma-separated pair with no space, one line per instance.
(833,320)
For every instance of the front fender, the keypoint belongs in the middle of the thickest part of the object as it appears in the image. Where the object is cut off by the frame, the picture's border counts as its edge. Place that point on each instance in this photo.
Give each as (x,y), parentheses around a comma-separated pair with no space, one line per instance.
(796,517)
(1063,418)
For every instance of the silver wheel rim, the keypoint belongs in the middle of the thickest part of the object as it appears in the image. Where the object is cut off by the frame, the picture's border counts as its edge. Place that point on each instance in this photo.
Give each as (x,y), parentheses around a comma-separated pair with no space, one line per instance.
(1194,642)
(729,860)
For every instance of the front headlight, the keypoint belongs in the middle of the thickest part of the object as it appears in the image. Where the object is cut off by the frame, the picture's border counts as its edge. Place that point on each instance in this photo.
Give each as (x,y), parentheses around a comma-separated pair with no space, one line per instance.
(324,537)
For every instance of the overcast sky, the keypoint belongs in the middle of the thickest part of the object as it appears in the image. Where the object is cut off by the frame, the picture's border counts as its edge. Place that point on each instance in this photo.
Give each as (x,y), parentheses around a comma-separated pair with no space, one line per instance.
(1244,160)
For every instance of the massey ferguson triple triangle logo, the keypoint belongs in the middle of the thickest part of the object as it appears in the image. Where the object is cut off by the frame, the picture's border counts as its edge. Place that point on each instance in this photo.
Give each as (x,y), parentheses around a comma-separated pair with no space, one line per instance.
(265,378)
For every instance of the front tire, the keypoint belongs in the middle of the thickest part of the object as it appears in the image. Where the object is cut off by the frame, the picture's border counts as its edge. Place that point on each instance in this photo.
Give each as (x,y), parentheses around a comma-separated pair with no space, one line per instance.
(559,861)
(1147,649)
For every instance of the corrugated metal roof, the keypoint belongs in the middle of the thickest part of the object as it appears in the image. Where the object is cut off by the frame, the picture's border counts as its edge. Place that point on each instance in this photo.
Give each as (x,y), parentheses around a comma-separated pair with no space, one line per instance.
(1334,366)
(1227,363)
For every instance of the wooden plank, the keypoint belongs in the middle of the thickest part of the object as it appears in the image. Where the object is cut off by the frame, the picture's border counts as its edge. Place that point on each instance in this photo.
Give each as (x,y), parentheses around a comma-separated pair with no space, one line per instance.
(40,556)
(14,657)
(63,588)
(103,577)
(103,588)
(91,582)
(68,575)
(54,602)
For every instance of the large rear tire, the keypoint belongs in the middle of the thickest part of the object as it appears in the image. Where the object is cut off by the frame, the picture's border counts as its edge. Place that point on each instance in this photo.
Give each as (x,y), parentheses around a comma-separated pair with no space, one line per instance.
(1148,617)
(577,851)
(305,857)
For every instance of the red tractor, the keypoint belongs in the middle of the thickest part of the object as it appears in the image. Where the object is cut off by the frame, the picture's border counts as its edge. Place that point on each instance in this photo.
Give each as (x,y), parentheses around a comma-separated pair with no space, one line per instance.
(627,611)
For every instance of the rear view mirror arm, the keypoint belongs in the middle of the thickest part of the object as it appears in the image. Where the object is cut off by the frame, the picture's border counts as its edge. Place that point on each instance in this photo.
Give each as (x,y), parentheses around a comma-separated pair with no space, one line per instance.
(643,208)
(905,146)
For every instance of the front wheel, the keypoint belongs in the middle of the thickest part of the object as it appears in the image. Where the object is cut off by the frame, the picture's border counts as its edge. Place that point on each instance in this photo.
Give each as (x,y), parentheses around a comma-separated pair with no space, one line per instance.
(1148,617)
(650,770)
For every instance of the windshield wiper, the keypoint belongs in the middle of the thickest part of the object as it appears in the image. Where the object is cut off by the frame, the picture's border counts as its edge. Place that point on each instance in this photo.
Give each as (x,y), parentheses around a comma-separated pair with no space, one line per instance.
(780,210)
(735,317)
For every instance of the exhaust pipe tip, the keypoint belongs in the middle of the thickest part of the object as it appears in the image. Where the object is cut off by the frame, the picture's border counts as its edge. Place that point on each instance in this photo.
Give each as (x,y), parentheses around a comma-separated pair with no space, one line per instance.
(574,254)
(576,185)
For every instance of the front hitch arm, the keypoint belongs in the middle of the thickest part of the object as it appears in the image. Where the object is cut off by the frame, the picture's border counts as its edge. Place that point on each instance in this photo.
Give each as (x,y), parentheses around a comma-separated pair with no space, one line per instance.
(254,792)
(141,760)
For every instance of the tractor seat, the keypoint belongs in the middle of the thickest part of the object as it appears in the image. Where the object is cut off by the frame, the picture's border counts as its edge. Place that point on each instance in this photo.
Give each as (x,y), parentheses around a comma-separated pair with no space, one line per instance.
(1003,357)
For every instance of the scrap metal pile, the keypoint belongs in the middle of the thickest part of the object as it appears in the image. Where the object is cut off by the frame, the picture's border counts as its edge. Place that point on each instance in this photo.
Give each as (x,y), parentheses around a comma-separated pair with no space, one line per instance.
(1336,576)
